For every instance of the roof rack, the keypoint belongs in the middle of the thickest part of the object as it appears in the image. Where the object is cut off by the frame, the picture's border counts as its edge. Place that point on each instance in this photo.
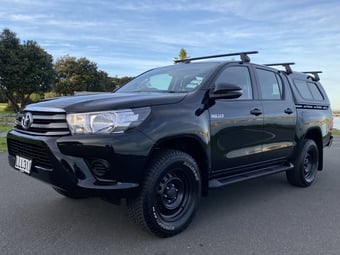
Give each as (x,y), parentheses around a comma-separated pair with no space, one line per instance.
(315,74)
(243,55)
(285,65)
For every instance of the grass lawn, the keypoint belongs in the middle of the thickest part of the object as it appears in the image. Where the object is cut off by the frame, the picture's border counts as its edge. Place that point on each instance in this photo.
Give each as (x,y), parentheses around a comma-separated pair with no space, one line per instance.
(4,108)
(3,142)
(336,132)
(4,128)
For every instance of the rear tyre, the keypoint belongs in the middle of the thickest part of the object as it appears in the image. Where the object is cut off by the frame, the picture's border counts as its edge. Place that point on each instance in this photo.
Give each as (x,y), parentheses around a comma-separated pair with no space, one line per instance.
(170,194)
(306,165)
(70,194)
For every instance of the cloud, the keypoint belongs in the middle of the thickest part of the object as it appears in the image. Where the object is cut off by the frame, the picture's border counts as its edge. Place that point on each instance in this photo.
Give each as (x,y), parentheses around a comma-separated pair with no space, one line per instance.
(127,37)
(26,17)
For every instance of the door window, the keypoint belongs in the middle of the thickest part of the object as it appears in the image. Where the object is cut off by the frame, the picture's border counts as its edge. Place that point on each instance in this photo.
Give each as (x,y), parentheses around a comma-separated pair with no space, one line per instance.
(238,75)
(270,84)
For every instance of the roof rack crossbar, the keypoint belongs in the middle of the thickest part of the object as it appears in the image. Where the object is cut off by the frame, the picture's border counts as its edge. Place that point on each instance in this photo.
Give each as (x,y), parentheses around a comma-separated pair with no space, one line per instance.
(315,74)
(243,56)
(285,65)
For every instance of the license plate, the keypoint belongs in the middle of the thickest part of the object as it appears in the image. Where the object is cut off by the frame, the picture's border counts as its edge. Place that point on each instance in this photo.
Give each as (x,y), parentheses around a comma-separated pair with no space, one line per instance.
(23,164)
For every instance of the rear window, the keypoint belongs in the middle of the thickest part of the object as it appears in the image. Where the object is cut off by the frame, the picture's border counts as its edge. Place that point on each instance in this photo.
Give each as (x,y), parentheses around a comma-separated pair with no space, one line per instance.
(315,91)
(308,90)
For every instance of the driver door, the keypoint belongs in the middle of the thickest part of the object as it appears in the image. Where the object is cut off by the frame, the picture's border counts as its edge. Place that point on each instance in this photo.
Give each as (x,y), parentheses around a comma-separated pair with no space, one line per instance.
(236,124)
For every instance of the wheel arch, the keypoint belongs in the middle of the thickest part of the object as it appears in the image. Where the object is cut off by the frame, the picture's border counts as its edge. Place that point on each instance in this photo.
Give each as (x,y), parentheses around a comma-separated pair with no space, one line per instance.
(315,135)
(192,146)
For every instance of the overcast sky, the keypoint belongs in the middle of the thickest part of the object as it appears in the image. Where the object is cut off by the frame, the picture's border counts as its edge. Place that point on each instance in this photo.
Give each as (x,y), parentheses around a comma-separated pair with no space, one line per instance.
(127,37)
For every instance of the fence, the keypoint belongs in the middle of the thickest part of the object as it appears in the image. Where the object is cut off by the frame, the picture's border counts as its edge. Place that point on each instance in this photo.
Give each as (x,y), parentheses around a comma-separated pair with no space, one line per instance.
(7,119)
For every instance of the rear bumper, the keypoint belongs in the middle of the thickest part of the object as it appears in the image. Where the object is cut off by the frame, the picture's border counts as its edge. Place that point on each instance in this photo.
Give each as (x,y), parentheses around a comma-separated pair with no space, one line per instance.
(330,142)
(66,162)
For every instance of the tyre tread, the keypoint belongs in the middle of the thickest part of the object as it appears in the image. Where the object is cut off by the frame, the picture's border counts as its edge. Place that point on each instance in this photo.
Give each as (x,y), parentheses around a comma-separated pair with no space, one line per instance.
(294,176)
(136,205)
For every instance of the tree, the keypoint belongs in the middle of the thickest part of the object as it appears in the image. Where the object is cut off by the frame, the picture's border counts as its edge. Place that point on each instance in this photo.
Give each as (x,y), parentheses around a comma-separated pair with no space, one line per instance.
(24,69)
(79,75)
(118,82)
(106,82)
(182,55)
(37,68)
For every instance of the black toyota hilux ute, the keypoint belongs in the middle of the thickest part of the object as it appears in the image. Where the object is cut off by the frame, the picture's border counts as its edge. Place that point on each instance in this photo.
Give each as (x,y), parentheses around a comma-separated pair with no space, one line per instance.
(165,138)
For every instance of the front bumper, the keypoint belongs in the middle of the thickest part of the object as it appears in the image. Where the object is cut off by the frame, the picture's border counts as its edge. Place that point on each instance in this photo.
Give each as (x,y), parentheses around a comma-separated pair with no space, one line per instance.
(101,165)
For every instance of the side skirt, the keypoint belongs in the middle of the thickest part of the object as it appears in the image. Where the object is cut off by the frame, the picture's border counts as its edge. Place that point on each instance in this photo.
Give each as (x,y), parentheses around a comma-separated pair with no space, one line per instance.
(223,181)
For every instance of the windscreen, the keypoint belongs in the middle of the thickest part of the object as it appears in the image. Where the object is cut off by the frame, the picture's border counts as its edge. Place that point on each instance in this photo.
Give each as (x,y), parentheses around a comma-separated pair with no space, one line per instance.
(173,79)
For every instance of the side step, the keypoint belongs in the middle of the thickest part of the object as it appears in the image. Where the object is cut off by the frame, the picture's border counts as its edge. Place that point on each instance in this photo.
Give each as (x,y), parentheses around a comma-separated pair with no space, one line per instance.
(226,180)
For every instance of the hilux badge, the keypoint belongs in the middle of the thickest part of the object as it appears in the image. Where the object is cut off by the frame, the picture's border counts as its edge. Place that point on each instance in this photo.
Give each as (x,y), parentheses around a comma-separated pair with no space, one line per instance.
(27,120)
(217,116)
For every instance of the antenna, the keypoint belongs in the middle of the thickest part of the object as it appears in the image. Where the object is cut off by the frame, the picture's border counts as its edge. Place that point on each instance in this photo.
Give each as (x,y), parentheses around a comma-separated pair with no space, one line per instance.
(243,56)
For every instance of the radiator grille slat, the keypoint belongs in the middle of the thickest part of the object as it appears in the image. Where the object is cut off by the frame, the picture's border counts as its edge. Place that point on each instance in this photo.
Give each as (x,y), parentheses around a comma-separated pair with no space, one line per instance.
(38,153)
(42,123)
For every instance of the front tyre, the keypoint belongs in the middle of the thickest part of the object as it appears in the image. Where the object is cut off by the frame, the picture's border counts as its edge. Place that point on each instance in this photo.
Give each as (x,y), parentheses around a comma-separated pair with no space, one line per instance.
(306,165)
(170,194)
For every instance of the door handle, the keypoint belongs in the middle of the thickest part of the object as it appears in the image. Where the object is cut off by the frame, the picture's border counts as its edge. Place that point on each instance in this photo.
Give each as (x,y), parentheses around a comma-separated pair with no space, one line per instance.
(288,111)
(256,112)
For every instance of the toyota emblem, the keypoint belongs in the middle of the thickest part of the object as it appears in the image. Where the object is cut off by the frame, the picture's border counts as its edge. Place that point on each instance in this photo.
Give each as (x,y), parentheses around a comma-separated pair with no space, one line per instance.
(27,120)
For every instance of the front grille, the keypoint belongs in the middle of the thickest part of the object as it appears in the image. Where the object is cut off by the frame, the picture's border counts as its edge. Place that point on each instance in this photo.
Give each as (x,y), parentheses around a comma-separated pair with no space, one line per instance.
(42,122)
(38,153)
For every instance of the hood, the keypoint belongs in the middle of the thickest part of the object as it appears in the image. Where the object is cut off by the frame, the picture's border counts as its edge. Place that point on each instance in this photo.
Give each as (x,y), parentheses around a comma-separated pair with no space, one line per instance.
(109,101)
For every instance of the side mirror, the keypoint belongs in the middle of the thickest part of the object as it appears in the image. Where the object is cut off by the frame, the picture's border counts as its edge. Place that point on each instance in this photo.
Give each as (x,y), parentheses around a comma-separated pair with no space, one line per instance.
(226,91)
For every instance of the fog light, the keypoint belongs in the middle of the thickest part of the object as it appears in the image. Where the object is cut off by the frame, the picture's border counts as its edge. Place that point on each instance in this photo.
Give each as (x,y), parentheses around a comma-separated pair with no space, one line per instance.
(99,167)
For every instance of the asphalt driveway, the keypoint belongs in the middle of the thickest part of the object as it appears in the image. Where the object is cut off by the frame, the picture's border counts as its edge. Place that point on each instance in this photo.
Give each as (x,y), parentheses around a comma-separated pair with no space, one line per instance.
(262,216)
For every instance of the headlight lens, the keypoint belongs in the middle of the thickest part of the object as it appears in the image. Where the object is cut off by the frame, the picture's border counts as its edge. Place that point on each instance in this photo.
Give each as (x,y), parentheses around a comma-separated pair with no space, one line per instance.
(106,122)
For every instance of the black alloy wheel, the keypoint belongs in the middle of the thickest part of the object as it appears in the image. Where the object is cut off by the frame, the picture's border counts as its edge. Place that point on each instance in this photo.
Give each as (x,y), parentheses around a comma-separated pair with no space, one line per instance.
(170,194)
(306,165)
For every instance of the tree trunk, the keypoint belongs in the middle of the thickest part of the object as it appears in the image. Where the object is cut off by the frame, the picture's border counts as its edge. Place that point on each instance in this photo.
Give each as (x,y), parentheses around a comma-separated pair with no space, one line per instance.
(11,102)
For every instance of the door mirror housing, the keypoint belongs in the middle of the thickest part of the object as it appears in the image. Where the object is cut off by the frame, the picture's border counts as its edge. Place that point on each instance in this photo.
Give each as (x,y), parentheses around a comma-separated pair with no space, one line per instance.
(224,90)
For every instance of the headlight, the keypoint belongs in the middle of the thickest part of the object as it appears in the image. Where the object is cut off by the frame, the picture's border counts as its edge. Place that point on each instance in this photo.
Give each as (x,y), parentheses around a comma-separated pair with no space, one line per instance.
(106,122)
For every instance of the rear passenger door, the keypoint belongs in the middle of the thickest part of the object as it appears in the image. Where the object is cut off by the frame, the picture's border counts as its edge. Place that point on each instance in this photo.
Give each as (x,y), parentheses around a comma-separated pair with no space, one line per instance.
(278,112)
